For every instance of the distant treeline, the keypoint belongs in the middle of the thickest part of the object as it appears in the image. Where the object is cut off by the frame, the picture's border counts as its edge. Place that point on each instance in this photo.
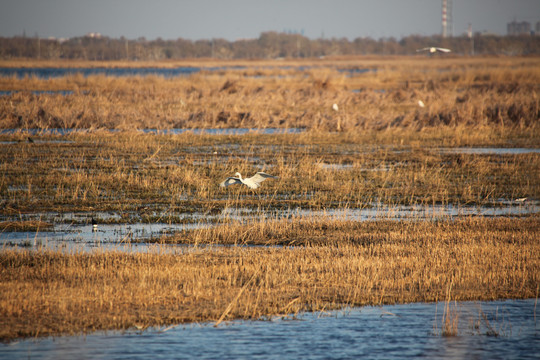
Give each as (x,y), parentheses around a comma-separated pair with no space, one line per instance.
(268,45)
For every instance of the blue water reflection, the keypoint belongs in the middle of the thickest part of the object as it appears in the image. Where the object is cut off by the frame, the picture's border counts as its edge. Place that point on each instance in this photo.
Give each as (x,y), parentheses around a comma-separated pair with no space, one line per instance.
(356,71)
(391,332)
(197,131)
(54,72)
(227,131)
(38,92)
(488,151)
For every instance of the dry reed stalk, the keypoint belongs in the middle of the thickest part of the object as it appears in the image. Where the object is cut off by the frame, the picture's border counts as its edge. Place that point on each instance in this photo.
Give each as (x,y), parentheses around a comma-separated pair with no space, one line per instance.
(450,317)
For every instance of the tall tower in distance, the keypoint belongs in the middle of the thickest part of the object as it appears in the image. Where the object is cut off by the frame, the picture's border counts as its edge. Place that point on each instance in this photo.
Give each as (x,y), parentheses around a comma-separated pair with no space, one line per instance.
(446,20)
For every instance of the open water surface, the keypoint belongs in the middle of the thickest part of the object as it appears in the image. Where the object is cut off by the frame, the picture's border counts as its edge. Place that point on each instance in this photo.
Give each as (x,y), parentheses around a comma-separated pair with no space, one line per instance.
(73,231)
(55,72)
(488,150)
(196,131)
(486,330)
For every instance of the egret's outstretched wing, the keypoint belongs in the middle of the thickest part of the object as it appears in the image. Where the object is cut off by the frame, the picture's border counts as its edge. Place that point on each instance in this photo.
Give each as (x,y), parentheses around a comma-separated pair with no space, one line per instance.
(423,49)
(443,50)
(255,181)
(230,181)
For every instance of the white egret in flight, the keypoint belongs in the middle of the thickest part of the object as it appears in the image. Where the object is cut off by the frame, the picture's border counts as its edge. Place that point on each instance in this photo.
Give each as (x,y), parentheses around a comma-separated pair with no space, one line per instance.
(251,182)
(433,49)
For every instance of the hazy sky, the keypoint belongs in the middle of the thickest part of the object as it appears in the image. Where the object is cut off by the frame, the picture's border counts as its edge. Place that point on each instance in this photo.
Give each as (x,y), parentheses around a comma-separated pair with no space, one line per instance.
(237,19)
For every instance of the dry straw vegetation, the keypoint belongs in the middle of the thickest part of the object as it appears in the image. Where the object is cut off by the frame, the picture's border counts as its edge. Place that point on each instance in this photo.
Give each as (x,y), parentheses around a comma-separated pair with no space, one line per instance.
(155,178)
(379,149)
(371,93)
(46,292)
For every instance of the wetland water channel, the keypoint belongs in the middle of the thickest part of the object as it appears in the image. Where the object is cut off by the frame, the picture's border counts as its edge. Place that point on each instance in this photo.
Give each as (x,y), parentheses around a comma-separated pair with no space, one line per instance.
(505,329)
(74,231)
(55,72)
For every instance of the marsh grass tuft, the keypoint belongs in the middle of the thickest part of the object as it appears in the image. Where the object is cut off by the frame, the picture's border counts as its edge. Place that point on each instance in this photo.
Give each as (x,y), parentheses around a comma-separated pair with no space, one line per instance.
(450,318)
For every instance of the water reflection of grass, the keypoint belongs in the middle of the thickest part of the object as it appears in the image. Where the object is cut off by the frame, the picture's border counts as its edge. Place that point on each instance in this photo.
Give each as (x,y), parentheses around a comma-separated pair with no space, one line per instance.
(25,225)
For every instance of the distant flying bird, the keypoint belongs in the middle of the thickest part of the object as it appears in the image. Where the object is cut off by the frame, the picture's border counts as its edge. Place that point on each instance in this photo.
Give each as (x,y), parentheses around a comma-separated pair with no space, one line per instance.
(434,49)
(421,103)
(252,182)
(335,107)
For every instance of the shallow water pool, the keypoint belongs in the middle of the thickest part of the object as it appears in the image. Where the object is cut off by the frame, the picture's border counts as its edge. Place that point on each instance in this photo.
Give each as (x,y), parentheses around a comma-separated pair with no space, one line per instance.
(486,330)
(73,231)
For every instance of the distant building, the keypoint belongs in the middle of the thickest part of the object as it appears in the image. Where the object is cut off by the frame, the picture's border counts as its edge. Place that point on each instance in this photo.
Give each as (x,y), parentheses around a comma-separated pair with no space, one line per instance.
(519,28)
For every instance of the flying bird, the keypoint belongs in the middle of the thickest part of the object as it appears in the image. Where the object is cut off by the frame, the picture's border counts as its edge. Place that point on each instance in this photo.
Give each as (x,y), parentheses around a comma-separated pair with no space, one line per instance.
(251,182)
(433,49)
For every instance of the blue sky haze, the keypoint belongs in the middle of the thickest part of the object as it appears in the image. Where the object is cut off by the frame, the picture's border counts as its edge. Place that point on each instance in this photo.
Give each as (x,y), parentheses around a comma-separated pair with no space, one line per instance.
(240,19)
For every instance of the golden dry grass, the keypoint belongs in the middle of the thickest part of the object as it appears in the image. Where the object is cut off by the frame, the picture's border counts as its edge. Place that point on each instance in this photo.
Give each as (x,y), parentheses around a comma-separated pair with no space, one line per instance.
(380,148)
(161,176)
(46,292)
(457,91)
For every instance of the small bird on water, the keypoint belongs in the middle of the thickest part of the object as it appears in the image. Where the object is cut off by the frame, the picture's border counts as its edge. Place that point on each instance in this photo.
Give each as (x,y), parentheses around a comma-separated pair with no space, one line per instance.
(251,182)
